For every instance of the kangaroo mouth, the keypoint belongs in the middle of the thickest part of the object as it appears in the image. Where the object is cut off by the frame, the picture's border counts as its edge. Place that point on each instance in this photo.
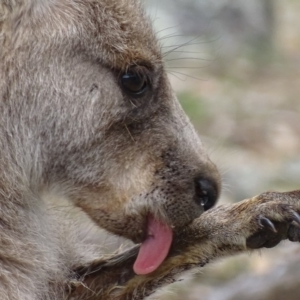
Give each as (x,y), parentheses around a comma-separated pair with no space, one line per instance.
(155,248)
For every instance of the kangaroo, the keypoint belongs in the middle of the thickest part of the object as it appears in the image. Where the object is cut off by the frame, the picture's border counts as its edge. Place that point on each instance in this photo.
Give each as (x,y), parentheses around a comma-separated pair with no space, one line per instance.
(88,121)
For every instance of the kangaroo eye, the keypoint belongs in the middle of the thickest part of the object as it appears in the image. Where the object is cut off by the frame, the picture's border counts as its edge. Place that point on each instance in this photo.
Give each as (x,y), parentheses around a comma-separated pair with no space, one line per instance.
(134,84)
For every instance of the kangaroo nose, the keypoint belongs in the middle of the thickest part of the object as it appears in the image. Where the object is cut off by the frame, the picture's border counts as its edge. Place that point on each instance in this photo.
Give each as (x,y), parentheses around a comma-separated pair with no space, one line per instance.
(206,192)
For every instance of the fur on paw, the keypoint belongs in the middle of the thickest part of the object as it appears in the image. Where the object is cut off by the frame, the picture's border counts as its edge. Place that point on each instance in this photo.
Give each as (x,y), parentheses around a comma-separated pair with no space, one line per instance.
(278,219)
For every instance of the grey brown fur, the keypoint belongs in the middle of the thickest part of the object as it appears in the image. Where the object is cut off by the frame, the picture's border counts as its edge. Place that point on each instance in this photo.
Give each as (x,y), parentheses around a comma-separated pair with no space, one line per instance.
(68,132)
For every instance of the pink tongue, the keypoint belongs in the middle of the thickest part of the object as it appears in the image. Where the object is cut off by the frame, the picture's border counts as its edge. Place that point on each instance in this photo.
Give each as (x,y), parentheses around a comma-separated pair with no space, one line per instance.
(155,248)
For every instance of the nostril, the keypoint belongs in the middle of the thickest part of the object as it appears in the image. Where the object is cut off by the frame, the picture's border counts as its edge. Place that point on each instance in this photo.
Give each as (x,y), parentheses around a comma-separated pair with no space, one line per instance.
(206,192)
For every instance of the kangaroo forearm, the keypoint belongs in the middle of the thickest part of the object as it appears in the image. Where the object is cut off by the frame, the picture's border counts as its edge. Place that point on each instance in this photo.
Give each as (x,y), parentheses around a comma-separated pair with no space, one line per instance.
(222,231)
(120,282)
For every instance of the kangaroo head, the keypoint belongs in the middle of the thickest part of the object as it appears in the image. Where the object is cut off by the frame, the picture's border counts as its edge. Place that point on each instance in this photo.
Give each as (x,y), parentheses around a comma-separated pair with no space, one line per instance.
(86,109)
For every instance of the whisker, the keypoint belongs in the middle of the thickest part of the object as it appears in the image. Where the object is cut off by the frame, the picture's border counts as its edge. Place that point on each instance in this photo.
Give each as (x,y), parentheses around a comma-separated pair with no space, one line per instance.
(189,52)
(173,74)
(188,43)
(186,75)
(165,29)
(191,58)
(170,36)
(180,67)
(129,133)
(176,47)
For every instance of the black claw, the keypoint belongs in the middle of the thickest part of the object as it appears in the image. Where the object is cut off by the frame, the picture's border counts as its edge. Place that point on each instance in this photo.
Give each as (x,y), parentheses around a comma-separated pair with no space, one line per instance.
(265,222)
(296,217)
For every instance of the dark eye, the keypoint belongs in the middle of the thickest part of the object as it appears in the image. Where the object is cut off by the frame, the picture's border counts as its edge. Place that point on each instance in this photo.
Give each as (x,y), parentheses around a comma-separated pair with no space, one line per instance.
(134,83)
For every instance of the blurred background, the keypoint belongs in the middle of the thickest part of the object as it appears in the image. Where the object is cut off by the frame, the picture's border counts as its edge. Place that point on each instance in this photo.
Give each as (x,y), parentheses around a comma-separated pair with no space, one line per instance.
(235,66)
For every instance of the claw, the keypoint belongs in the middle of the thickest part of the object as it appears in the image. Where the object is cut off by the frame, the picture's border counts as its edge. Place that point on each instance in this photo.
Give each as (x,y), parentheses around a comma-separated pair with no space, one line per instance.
(265,222)
(296,217)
